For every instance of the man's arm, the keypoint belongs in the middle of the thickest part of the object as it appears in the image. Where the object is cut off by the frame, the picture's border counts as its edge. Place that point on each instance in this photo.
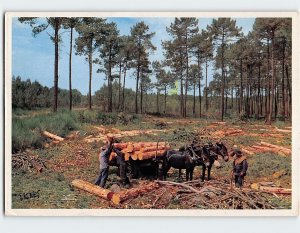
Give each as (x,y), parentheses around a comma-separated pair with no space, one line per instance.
(117,151)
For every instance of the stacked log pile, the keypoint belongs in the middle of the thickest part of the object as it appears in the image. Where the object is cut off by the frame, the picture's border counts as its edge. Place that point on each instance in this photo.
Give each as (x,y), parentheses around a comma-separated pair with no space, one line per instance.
(27,162)
(141,150)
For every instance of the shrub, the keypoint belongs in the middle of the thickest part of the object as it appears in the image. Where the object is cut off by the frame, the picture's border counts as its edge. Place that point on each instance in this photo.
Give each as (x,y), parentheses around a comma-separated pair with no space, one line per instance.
(26,131)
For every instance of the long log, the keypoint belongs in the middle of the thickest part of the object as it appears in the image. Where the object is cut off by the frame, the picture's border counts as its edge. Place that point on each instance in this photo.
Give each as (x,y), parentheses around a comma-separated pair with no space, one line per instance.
(283,149)
(52,136)
(154,148)
(134,192)
(269,189)
(94,189)
(283,130)
(150,154)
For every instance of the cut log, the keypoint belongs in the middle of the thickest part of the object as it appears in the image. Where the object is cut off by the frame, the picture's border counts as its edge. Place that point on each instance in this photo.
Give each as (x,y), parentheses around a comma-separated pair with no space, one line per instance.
(121,146)
(283,149)
(52,136)
(94,189)
(247,151)
(283,130)
(276,190)
(150,154)
(154,148)
(134,192)
(233,132)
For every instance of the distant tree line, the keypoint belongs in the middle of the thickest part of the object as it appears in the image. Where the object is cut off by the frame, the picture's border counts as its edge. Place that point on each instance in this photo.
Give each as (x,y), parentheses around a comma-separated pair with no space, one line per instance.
(252,73)
(32,95)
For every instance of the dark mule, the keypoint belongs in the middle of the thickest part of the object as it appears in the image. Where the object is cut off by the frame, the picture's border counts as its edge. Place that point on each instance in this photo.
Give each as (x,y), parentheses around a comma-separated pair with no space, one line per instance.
(210,155)
(186,159)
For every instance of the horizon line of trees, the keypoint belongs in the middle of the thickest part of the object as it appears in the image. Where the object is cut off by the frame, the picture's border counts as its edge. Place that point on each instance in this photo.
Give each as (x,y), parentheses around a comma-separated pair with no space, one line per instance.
(252,73)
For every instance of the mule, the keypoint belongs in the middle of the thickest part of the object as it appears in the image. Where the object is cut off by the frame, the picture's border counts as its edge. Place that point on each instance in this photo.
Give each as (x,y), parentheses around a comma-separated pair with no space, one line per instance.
(186,159)
(210,155)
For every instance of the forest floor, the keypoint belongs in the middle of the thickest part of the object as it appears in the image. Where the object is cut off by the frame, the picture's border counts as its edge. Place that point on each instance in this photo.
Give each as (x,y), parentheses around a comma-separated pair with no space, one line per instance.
(77,158)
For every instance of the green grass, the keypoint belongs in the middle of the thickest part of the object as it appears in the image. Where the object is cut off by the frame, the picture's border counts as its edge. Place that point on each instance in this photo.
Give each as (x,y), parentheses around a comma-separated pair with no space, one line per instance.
(26,131)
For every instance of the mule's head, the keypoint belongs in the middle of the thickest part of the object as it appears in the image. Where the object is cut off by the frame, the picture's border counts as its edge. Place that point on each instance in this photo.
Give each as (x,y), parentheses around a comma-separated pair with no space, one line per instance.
(221,149)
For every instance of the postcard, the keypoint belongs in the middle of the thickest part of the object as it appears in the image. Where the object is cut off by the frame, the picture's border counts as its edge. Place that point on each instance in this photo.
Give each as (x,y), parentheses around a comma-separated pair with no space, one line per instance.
(151,114)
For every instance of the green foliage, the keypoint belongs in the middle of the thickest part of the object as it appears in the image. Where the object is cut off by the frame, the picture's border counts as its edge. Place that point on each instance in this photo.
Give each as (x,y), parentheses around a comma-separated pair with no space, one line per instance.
(26,131)
(262,165)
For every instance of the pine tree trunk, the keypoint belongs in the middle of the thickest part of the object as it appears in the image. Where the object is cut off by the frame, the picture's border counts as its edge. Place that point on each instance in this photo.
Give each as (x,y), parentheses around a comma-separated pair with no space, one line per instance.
(187,76)
(137,85)
(181,93)
(258,103)
(206,88)
(282,83)
(241,86)
(109,81)
(70,70)
(56,41)
(165,108)
(223,79)
(120,76)
(272,94)
(194,99)
(289,112)
(157,101)
(90,73)
(199,78)
(123,91)
(141,97)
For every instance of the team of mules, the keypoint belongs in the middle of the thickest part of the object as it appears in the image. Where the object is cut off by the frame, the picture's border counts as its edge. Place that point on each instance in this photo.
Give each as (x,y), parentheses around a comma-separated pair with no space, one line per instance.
(192,156)
(187,158)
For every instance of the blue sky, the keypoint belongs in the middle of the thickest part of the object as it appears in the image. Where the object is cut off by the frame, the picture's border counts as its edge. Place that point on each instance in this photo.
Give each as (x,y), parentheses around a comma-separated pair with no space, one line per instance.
(33,58)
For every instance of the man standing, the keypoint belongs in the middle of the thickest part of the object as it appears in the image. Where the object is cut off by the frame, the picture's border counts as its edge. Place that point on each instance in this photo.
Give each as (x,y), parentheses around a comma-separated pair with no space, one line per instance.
(104,159)
(240,167)
(122,167)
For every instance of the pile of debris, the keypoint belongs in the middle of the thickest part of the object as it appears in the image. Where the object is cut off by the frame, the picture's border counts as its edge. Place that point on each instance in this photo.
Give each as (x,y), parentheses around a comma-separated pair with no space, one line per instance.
(214,194)
(219,194)
(27,162)
(141,150)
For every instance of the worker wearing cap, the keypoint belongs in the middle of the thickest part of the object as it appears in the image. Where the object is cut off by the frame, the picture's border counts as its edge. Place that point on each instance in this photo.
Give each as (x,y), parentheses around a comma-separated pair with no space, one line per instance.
(104,159)
(240,167)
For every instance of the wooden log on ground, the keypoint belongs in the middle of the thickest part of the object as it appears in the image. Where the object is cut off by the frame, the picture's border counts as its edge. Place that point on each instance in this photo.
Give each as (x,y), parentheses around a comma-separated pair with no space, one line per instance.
(283,130)
(94,189)
(150,154)
(269,187)
(135,192)
(52,136)
(233,132)
(247,151)
(281,148)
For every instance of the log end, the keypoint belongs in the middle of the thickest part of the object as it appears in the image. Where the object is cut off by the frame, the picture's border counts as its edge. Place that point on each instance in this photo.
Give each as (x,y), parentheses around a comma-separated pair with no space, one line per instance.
(114,197)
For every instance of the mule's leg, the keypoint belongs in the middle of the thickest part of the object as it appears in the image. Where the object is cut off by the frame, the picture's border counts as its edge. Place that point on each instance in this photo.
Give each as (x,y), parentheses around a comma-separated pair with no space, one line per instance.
(191,173)
(203,172)
(187,172)
(208,172)
(165,172)
(179,174)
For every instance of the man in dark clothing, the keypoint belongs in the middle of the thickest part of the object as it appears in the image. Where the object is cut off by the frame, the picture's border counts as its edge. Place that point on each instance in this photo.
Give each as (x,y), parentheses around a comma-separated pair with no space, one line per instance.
(122,166)
(240,167)
(104,159)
